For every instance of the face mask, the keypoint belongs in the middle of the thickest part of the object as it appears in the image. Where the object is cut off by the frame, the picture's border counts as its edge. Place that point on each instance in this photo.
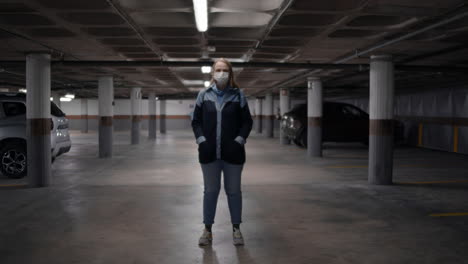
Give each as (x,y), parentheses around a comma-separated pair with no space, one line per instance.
(221,78)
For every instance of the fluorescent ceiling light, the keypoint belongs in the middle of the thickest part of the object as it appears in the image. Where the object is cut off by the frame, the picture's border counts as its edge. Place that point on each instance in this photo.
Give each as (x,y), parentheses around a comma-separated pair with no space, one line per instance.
(72,96)
(206,69)
(22,90)
(65,99)
(192,82)
(195,89)
(201,14)
(207,84)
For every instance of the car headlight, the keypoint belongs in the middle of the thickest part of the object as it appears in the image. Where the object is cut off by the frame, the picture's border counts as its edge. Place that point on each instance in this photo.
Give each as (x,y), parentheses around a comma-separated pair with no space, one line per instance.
(295,124)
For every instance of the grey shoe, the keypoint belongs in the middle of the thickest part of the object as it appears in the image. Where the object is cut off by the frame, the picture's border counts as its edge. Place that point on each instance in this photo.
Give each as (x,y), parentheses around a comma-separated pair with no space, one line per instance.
(206,238)
(237,237)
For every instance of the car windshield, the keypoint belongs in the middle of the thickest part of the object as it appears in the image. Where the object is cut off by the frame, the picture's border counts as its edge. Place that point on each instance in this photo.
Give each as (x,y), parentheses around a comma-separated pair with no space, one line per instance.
(299,108)
(352,111)
(55,110)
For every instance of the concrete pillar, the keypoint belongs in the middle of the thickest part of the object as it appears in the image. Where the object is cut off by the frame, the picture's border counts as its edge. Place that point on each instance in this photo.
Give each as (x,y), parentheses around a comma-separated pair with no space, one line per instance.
(284,108)
(314,117)
(56,99)
(152,115)
(38,125)
(381,120)
(135,102)
(106,115)
(269,117)
(84,115)
(162,116)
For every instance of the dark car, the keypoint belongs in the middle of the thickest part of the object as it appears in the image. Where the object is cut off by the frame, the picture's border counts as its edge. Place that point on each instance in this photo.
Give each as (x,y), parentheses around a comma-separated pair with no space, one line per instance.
(341,122)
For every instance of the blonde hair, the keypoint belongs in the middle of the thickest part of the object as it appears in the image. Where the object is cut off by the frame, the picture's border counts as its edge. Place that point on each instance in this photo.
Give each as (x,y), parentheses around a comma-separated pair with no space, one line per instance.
(232,82)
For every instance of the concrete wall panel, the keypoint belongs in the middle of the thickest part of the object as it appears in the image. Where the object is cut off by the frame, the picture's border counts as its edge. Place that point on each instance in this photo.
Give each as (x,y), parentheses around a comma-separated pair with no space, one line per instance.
(438,112)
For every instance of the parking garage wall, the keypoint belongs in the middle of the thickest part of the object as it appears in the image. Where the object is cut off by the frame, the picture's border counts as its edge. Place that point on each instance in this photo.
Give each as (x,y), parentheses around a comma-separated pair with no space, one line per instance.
(178,114)
(432,119)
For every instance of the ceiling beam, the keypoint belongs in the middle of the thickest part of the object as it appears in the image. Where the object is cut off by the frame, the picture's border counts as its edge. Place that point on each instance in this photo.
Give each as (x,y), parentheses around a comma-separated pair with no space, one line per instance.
(279,65)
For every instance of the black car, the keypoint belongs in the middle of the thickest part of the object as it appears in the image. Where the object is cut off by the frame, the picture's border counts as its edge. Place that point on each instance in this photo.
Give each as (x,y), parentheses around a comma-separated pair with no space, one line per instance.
(341,122)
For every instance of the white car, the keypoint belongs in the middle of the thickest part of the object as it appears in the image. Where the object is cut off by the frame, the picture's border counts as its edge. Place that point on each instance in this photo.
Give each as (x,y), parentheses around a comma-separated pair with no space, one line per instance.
(13,134)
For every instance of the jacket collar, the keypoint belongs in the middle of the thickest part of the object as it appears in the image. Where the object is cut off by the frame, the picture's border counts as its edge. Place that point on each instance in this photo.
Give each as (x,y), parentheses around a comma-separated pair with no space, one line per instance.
(227,89)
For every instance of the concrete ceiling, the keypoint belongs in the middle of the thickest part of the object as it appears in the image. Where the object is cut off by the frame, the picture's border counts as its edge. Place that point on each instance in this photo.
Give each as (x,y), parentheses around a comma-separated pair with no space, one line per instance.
(243,30)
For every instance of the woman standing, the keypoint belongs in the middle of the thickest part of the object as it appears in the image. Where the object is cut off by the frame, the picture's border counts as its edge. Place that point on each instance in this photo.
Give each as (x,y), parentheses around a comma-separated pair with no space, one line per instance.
(221,123)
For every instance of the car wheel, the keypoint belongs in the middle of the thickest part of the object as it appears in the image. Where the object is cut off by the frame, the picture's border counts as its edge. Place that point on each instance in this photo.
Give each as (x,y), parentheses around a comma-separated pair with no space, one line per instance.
(303,140)
(13,161)
(297,143)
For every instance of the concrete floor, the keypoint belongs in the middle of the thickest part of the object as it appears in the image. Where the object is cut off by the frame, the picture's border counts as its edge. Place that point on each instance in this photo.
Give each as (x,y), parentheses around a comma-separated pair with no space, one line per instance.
(144,206)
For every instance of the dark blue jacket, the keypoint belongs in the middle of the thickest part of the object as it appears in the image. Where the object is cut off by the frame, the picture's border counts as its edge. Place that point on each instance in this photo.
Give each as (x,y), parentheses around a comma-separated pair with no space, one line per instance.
(221,130)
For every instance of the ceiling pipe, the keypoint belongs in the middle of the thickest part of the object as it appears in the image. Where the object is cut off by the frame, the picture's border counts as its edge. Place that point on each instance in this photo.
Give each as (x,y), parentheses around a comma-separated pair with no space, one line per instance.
(404,61)
(279,65)
(286,5)
(357,54)
(401,38)
(135,28)
(50,49)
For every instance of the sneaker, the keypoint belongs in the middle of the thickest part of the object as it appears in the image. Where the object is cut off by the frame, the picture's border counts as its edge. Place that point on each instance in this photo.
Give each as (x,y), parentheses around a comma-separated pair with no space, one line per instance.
(206,238)
(237,237)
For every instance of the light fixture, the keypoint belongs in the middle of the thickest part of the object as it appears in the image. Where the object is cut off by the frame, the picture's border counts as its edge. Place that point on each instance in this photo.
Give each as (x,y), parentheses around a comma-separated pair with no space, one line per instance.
(157,98)
(206,69)
(201,14)
(207,84)
(192,82)
(72,96)
(65,99)
(22,90)
(51,98)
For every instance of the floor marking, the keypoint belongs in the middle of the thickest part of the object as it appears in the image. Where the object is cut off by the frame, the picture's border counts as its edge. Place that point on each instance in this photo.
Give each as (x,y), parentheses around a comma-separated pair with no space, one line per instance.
(365,166)
(414,165)
(347,167)
(449,214)
(13,185)
(433,182)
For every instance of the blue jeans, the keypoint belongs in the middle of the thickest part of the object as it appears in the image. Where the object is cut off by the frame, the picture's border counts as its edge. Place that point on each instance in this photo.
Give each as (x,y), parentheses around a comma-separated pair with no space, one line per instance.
(232,186)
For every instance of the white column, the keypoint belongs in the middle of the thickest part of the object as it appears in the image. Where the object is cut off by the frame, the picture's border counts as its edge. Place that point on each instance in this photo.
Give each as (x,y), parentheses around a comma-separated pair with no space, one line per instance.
(135,101)
(106,115)
(284,108)
(152,115)
(39,123)
(381,123)
(269,117)
(314,117)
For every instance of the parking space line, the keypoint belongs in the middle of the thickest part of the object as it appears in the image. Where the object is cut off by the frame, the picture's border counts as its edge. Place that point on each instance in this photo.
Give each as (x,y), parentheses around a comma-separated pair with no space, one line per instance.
(433,182)
(347,167)
(13,185)
(396,166)
(449,214)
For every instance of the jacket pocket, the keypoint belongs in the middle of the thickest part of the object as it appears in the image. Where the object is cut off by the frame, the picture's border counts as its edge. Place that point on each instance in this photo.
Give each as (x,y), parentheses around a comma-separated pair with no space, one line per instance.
(234,152)
(206,152)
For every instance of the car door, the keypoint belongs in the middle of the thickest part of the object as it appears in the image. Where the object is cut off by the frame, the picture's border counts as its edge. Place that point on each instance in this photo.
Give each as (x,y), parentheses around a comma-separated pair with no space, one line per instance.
(333,122)
(356,122)
(13,121)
